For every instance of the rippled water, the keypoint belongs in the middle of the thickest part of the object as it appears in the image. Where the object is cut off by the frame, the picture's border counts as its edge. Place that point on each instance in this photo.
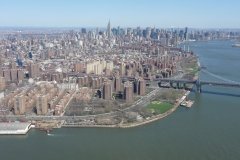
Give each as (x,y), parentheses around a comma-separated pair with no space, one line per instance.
(209,130)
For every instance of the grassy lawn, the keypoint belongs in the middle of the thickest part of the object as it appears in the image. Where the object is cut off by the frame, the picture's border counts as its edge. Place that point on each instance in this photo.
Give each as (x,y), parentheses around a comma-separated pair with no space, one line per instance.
(192,70)
(160,107)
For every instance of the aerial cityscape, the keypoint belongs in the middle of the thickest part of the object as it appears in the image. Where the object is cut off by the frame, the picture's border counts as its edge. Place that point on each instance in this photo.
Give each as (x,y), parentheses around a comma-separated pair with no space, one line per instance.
(104,84)
(106,76)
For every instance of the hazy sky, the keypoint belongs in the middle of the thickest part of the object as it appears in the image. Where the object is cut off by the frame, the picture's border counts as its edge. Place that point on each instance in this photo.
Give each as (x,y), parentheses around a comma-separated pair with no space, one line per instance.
(124,13)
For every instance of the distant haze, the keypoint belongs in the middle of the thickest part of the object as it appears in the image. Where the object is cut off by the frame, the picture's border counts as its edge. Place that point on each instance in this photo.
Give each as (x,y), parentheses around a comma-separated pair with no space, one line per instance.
(124,13)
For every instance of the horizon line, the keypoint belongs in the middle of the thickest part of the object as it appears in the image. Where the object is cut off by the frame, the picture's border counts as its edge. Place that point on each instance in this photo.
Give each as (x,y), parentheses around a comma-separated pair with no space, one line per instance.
(112,27)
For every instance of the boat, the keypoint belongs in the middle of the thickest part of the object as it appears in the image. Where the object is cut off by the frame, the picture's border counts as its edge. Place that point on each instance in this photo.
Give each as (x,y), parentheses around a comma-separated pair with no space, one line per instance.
(184,103)
(48,132)
(237,44)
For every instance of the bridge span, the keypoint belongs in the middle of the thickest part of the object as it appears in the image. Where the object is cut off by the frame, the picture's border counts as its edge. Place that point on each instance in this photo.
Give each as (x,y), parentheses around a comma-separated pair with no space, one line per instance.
(196,82)
(174,80)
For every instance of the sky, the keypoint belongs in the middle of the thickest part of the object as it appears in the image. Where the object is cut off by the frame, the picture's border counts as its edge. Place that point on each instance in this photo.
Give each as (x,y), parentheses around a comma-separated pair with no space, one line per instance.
(123,13)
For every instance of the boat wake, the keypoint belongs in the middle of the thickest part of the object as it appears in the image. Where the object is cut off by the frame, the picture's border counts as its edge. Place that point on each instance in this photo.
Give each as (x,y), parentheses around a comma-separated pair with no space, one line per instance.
(56,135)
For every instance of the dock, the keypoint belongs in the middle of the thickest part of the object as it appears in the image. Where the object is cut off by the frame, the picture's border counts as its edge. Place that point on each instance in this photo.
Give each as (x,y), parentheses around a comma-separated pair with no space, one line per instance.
(15,128)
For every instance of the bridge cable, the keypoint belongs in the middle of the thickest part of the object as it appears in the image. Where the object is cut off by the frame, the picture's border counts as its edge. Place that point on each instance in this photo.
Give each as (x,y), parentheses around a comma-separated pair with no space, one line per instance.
(216,76)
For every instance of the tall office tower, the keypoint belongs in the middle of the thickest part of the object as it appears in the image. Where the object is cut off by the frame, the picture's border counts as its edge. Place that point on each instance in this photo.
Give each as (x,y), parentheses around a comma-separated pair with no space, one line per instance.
(107,90)
(41,104)
(2,83)
(109,30)
(122,70)
(117,83)
(33,70)
(128,91)
(148,29)
(84,30)
(185,33)
(118,31)
(19,104)
(171,31)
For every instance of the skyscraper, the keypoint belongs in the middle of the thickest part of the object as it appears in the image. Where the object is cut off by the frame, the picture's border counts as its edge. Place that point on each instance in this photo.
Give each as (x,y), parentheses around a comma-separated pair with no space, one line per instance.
(185,33)
(109,30)
(118,31)
(84,30)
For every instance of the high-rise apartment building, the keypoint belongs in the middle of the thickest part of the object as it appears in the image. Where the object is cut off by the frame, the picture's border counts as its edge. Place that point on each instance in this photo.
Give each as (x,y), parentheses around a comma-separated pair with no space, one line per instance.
(122,69)
(2,83)
(107,90)
(33,70)
(12,65)
(19,104)
(139,86)
(128,91)
(41,104)
(98,69)
(7,75)
(117,83)
(109,65)
(78,67)
(20,74)
(1,72)
(13,74)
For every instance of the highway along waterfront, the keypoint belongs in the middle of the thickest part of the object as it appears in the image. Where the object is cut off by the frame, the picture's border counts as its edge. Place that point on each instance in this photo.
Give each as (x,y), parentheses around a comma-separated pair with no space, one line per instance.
(209,130)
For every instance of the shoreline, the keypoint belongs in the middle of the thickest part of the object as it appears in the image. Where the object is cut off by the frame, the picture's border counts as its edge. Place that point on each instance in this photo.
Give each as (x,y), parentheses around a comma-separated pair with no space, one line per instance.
(130,125)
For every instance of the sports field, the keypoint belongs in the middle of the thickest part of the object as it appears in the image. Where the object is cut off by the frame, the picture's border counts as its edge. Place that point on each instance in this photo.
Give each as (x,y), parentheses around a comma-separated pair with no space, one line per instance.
(159,107)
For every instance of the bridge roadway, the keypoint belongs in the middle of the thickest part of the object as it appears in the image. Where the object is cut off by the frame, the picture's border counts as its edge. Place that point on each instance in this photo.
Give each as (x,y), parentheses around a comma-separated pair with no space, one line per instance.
(227,84)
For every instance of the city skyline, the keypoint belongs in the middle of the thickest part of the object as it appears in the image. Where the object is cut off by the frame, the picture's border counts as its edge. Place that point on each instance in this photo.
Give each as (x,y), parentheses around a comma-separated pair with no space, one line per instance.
(161,14)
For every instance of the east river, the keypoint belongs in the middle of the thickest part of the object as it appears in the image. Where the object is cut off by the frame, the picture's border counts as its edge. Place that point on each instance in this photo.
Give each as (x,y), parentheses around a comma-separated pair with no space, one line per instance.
(208,130)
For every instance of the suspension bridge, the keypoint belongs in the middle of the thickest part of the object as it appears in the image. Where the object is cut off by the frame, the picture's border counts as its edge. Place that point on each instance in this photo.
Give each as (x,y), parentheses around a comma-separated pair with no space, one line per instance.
(198,82)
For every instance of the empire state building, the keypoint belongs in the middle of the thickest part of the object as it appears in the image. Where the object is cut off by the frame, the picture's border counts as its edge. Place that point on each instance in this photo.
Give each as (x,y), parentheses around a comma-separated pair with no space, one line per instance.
(109,30)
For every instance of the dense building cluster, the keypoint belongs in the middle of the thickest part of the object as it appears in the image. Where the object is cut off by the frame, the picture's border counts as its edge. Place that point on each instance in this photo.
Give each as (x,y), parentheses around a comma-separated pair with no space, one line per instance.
(45,69)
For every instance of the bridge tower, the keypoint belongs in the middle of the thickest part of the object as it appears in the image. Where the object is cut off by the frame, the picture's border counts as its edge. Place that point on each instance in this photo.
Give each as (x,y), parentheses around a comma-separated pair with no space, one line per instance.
(184,85)
(178,85)
(198,84)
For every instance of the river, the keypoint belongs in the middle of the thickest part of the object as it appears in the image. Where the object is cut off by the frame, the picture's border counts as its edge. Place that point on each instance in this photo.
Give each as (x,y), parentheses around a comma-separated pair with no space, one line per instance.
(208,130)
